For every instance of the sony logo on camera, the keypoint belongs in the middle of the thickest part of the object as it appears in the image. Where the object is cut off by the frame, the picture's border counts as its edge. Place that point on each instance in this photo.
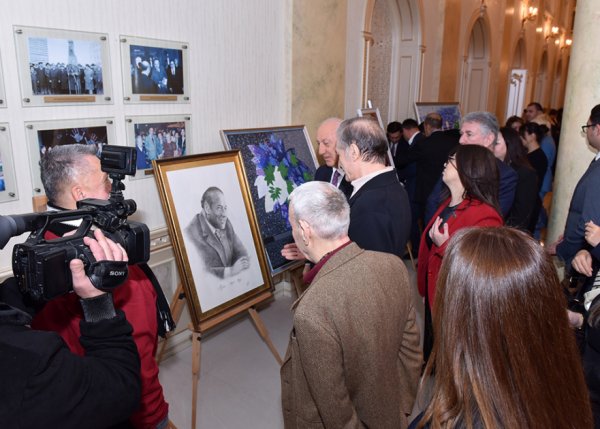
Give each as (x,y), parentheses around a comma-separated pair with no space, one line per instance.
(117,273)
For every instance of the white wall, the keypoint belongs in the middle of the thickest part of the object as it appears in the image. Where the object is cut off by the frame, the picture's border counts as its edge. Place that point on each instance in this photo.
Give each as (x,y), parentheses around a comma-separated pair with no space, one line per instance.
(239,67)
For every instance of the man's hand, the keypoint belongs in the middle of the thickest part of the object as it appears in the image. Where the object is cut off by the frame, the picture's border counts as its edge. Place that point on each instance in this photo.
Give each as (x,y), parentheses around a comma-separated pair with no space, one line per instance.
(240,265)
(436,236)
(551,249)
(592,233)
(292,253)
(582,263)
(103,249)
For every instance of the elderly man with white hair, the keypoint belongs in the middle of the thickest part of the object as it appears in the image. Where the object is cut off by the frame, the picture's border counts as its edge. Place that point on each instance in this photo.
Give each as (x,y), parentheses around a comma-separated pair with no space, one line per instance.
(353,359)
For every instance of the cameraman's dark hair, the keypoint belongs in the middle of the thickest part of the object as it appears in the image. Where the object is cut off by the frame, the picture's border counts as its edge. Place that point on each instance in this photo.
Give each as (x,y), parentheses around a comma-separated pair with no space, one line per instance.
(394,127)
(410,124)
(209,195)
(61,165)
(367,135)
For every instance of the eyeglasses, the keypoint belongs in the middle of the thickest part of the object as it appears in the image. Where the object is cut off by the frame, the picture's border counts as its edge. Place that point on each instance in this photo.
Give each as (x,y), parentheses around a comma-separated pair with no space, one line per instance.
(584,127)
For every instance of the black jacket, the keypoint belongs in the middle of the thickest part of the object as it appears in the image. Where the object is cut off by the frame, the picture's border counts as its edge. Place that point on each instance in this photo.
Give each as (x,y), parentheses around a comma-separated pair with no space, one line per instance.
(380,215)
(44,385)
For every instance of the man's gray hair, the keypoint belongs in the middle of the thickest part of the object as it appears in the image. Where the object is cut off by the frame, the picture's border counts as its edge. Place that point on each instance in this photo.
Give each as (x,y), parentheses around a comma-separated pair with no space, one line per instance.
(486,120)
(367,135)
(61,165)
(323,206)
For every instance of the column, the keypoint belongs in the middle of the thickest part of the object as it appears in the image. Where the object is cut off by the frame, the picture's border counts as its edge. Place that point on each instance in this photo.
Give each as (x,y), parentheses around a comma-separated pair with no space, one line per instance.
(582,93)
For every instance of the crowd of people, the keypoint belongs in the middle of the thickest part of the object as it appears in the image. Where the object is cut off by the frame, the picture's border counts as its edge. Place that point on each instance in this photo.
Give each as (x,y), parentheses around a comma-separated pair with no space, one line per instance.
(499,348)
(152,76)
(153,142)
(493,301)
(65,79)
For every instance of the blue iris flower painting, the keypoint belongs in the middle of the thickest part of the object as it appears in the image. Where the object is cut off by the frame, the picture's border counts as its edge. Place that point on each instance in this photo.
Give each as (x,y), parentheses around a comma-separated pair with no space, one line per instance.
(276,161)
(278,172)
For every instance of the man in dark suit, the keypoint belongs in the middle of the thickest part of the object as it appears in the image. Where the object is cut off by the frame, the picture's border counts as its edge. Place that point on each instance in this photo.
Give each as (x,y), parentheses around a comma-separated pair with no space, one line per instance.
(379,208)
(222,251)
(480,128)
(327,141)
(584,207)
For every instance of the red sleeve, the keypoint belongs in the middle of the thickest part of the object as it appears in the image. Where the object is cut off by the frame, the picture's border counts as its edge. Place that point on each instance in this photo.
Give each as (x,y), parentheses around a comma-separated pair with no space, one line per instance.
(137,298)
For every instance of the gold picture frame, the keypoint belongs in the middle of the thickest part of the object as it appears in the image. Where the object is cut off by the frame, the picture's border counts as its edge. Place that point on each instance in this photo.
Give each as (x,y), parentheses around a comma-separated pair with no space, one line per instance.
(196,192)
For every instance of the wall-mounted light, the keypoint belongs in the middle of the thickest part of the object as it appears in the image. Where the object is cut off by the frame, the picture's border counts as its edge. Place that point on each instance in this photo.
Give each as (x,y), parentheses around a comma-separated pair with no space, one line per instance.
(568,42)
(554,34)
(529,14)
(539,29)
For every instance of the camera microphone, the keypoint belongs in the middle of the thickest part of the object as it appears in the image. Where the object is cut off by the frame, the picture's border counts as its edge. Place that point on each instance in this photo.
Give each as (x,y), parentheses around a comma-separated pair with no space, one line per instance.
(14,225)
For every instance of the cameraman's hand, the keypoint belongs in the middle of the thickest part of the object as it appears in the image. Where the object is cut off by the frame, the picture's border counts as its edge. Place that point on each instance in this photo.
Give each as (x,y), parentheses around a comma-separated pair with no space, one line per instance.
(103,249)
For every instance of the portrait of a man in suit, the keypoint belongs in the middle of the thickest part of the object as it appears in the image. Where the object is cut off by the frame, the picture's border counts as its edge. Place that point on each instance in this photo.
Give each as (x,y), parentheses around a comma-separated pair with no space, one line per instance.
(212,233)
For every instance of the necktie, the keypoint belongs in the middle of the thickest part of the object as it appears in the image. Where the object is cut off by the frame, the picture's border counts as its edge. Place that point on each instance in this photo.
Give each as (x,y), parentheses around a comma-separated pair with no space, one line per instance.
(335,179)
(218,233)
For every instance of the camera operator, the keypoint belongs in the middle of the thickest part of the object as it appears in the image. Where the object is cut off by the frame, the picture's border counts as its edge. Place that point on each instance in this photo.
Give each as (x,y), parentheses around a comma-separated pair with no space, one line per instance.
(44,384)
(72,173)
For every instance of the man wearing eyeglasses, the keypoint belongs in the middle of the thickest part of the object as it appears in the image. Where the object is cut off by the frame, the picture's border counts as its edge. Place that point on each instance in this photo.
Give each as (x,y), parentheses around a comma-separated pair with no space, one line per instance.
(584,207)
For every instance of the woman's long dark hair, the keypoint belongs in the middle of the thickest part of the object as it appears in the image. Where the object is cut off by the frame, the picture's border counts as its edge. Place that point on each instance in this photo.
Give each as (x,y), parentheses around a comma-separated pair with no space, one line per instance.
(504,355)
(533,128)
(478,173)
(516,155)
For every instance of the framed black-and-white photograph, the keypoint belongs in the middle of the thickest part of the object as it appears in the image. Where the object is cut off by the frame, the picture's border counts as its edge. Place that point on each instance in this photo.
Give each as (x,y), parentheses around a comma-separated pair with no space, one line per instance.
(42,136)
(63,66)
(8,185)
(276,160)
(154,71)
(214,231)
(449,111)
(158,137)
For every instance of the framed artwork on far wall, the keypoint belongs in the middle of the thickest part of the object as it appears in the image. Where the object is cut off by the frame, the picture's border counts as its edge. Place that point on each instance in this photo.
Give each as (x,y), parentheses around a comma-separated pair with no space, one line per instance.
(8,184)
(58,67)
(157,137)
(276,161)
(154,71)
(42,136)
(215,236)
(450,112)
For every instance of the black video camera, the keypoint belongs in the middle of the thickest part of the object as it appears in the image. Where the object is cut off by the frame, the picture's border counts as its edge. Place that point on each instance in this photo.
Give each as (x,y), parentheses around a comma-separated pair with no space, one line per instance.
(41,263)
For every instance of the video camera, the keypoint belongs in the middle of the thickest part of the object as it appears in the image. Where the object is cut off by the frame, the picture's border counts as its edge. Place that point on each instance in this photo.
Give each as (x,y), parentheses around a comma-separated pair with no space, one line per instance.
(41,263)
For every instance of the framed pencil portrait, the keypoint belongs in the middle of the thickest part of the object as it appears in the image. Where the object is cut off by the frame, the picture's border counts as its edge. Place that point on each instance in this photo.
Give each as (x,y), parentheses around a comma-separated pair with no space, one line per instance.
(214,230)
(8,185)
(276,161)
(42,136)
(58,67)
(157,137)
(154,71)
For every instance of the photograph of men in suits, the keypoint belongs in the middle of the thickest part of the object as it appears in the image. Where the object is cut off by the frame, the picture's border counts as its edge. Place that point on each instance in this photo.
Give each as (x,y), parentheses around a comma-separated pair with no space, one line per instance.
(222,251)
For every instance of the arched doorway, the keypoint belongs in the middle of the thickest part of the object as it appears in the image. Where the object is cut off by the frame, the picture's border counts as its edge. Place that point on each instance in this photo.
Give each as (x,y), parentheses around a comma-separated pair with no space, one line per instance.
(476,73)
(517,81)
(392,57)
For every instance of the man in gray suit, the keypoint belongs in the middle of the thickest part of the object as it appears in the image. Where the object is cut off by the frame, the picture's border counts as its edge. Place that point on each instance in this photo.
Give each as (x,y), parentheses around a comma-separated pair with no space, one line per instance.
(222,251)
(353,358)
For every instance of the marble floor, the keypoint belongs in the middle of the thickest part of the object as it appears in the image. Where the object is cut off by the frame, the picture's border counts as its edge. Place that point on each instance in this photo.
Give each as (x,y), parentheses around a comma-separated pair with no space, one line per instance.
(239,383)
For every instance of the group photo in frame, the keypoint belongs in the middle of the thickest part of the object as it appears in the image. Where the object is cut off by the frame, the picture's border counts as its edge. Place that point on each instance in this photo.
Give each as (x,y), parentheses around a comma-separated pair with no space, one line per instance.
(154,70)
(62,66)
(449,111)
(8,184)
(157,137)
(276,160)
(214,231)
(42,136)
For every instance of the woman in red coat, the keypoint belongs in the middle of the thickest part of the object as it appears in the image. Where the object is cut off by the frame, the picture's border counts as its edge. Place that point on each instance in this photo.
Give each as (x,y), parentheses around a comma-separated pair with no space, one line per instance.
(471,182)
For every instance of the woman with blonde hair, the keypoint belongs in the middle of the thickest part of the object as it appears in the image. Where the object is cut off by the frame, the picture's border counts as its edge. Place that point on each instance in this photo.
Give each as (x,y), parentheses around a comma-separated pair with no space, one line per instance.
(504,354)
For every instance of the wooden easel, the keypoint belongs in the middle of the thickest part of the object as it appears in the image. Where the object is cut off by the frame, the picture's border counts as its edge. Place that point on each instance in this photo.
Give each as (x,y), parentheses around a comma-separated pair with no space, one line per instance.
(177,303)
